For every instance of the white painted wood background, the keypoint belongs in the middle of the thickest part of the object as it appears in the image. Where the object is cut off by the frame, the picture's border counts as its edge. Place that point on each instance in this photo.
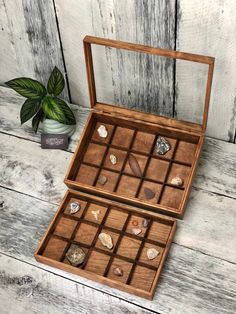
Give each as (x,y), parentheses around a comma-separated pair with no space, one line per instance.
(35,36)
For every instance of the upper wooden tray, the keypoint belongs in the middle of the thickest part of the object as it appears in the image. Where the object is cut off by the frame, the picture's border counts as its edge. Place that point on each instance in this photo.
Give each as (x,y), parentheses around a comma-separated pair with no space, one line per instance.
(88,40)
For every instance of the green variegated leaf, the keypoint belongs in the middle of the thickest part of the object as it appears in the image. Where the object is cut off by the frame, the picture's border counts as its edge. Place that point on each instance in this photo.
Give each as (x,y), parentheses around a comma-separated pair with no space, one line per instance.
(29,109)
(36,119)
(27,87)
(56,82)
(56,109)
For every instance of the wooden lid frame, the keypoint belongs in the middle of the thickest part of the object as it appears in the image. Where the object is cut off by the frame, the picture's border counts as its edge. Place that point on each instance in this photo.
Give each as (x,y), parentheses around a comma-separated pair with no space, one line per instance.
(88,40)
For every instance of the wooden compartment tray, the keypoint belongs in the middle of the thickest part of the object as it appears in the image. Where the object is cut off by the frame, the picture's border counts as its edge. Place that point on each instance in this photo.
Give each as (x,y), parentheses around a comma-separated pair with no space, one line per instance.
(140,275)
(128,138)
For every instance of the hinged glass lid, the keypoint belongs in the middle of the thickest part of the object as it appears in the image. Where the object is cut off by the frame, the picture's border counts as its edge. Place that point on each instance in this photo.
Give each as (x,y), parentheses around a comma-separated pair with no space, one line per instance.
(170,84)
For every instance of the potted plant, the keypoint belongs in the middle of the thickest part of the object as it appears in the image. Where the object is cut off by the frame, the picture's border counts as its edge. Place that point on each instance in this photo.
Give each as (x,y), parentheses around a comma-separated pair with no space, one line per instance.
(42,104)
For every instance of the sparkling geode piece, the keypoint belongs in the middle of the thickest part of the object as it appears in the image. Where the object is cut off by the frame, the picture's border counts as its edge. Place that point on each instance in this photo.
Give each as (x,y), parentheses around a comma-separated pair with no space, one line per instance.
(102,131)
(113,159)
(177,181)
(152,253)
(75,255)
(162,146)
(74,207)
(118,271)
(106,240)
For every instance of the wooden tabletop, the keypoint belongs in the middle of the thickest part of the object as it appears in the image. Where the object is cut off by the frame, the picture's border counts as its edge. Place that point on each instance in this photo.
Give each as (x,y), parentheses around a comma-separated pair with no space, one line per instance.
(199,275)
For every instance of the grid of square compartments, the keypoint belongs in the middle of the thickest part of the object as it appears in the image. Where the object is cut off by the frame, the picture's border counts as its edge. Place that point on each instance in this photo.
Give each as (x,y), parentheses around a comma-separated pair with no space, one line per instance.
(129,251)
(157,170)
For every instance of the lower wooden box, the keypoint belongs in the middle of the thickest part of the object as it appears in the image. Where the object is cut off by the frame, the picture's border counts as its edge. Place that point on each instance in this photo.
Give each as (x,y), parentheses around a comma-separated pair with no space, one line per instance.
(129,252)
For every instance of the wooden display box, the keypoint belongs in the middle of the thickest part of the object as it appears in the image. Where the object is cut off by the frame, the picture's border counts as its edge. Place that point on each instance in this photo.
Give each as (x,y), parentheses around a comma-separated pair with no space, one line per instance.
(129,252)
(136,133)
(122,199)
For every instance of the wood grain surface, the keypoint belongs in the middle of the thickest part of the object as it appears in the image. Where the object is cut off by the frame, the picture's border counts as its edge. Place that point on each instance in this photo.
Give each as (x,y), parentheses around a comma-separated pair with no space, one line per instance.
(30,43)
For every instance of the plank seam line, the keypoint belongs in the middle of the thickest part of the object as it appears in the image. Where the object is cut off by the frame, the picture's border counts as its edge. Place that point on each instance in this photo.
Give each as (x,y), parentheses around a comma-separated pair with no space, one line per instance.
(61,48)
(204,253)
(79,283)
(212,192)
(31,196)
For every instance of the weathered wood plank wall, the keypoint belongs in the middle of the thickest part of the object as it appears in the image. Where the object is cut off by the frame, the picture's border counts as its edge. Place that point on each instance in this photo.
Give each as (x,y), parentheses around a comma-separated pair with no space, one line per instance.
(29,40)
(30,45)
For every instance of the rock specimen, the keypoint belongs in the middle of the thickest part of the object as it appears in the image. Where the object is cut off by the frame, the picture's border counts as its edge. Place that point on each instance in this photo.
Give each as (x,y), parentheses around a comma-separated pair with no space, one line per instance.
(134,222)
(106,240)
(162,146)
(102,179)
(75,255)
(149,194)
(102,131)
(136,231)
(95,213)
(74,207)
(152,253)
(145,223)
(118,271)
(113,159)
(134,165)
(177,181)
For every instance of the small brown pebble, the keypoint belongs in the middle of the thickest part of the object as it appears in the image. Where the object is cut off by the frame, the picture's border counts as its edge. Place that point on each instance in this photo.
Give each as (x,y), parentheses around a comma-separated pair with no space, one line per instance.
(145,223)
(118,271)
(134,222)
(149,194)
(102,180)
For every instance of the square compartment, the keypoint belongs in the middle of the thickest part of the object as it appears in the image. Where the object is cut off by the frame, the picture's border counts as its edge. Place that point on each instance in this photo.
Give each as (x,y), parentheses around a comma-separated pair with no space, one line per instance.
(120,156)
(180,171)
(142,160)
(169,154)
(125,266)
(143,142)
(97,263)
(128,247)
(143,278)
(94,154)
(65,227)
(85,233)
(185,152)
(122,137)
(97,138)
(159,232)
(154,187)
(82,207)
(116,218)
(55,248)
(171,197)
(144,259)
(130,225)
(128,186)
(157,169)
(114,237)
(111,180)
(86,174)
(95,207)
